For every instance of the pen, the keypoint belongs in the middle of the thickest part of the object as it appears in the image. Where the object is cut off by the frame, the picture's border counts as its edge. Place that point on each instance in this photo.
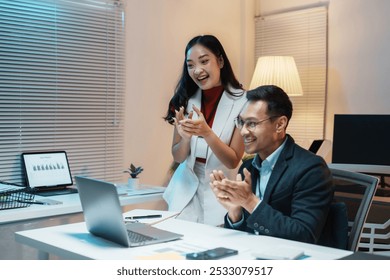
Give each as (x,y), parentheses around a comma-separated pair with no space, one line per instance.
(143,217)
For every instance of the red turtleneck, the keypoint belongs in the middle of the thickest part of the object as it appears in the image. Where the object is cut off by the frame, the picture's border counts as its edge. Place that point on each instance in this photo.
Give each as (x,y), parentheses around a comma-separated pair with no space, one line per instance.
(210,100)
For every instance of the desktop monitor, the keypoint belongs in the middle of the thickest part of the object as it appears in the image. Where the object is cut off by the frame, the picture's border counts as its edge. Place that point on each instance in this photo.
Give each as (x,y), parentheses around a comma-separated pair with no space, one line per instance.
(361,139)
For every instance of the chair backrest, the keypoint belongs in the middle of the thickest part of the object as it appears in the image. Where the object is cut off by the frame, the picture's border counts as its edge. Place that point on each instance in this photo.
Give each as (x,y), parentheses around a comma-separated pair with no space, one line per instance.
(335,233)
(355,191)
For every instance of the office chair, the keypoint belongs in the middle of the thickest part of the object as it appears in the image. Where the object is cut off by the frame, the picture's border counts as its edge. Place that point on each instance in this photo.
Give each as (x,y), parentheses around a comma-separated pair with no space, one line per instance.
(352,199)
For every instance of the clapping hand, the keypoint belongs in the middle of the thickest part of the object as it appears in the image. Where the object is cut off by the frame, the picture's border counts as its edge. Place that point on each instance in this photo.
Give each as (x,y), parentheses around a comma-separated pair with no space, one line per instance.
(198,127)
(178,119)
(233,194)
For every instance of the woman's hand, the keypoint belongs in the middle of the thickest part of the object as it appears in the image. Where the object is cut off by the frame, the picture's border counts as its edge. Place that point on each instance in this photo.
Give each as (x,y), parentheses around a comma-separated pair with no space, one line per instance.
(197,127)
(179,118)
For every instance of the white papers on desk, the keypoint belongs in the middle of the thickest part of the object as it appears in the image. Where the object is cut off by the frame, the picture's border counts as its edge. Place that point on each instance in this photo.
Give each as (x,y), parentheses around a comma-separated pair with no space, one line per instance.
(169,250)
(279,253)
(190,242)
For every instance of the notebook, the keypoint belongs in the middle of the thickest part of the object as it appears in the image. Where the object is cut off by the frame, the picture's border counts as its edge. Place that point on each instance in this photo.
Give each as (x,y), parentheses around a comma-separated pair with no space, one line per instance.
(48,172)
(103,216)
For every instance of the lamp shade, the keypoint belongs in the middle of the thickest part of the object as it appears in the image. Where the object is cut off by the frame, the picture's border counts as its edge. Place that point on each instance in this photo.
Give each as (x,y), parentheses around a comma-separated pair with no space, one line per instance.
(280,71)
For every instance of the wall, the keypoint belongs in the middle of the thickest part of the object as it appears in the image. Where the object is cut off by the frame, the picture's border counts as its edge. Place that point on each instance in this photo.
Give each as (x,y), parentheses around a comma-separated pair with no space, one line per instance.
(359,60)
(157,33)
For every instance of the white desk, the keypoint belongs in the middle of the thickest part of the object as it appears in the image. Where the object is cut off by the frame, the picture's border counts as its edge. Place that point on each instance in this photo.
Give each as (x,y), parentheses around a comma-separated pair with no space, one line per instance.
(73,241)
(38,216)
(70,203)
(363,168)
(377,170)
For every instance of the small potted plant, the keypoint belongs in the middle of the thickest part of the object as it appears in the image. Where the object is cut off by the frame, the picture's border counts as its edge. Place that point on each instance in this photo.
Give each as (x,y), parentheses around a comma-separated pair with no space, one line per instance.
(133,171)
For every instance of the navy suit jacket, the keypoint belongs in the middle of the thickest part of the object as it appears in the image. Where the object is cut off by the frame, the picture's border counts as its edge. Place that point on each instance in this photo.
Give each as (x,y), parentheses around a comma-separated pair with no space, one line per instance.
(297,197)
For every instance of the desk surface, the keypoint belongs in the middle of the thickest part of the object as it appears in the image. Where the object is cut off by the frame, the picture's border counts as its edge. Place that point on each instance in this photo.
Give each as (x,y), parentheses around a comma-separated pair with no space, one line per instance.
(73,241)
(363,168)
(70,203)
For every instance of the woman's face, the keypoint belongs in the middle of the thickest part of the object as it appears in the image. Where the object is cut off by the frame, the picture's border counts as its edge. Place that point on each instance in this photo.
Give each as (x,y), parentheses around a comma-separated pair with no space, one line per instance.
(204,67)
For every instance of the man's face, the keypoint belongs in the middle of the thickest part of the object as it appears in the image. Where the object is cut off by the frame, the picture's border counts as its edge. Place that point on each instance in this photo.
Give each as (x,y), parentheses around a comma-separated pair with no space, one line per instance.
(259,130)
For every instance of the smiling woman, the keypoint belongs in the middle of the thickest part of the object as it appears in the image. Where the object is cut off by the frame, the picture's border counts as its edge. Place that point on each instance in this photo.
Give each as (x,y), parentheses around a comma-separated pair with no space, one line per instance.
(207,99)
(204,67)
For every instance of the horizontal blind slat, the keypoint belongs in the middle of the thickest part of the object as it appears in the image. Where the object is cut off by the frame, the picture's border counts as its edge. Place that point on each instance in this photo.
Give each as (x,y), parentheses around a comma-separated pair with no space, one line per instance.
(303,35)
(62,84)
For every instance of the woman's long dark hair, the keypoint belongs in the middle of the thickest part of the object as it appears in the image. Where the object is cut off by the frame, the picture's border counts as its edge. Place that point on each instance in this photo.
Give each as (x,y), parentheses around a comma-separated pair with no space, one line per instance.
(186,87)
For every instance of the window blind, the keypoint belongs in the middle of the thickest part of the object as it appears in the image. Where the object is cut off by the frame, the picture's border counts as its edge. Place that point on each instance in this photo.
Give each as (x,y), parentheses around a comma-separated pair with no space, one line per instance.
(62,84)
(303,35)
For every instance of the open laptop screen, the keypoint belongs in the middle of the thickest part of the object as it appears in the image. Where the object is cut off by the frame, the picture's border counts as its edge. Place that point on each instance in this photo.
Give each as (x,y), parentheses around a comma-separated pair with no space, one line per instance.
(46,169)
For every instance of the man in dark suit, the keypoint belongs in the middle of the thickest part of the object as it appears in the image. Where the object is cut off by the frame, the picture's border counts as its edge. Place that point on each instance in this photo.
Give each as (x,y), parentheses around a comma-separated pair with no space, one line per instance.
(284,191)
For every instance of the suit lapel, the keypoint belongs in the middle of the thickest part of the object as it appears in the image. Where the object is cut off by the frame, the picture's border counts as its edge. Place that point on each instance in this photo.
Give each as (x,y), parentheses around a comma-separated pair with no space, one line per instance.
(224,109)
(279,168)
(254,178)
(278,171)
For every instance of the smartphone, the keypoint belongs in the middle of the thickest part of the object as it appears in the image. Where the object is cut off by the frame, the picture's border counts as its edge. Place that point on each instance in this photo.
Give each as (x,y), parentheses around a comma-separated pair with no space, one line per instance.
(212,254)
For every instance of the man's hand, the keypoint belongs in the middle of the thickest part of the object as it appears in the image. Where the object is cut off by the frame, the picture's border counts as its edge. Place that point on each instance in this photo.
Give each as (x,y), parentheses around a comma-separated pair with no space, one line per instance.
(237,192)
(234,194)
(234,211)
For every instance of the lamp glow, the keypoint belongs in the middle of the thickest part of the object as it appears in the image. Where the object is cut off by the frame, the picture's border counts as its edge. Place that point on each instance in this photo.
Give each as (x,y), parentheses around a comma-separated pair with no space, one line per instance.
(280,71)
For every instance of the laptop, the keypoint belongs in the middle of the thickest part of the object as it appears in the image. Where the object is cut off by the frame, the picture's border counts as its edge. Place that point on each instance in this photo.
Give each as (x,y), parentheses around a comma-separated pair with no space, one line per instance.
(48,172)
(103,216)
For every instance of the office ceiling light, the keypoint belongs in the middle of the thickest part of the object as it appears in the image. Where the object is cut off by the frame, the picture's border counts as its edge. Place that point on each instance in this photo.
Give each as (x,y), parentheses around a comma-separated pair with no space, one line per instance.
(280,71)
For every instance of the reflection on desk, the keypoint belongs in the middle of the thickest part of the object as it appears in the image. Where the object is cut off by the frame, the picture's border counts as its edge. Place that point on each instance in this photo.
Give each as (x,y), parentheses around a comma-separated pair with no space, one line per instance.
(69,204)
(365,256)
(73,241)
(39,216)
(124,190)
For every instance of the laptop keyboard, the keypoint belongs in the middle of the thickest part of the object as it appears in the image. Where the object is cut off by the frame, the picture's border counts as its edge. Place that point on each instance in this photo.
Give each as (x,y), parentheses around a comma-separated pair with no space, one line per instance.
(136,237)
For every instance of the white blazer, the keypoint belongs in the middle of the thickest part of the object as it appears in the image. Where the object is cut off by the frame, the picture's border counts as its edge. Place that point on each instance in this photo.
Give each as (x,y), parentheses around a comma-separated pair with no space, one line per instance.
(184,183)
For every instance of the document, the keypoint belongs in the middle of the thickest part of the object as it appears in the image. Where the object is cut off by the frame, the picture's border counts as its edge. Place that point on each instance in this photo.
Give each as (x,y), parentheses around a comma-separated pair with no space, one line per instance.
(279,253)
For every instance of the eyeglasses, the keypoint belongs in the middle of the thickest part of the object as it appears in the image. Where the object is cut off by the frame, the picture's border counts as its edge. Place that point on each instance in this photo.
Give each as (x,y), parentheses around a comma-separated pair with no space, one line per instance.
(250,125)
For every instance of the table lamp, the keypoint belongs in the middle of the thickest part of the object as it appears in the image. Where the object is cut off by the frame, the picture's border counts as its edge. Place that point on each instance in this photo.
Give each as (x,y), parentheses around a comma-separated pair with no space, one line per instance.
(280,71)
